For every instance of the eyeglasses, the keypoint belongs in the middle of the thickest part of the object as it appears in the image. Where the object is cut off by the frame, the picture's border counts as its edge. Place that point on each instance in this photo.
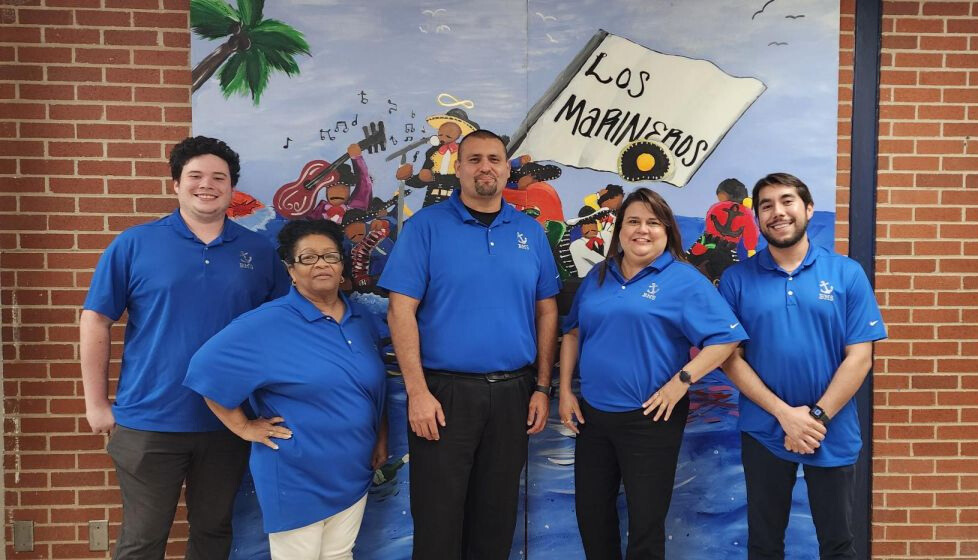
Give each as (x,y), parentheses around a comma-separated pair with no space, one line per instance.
(310,259)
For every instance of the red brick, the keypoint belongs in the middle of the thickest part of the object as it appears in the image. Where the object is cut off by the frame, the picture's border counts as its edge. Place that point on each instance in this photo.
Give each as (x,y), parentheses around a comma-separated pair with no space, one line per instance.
(78,149)
(11,148)
(46,92)
(136,186)
(162,95)
(104,93)
(22,111)
(160,58)
(21,72)
(103,18)
(105,168)
(71,36)
(46,204)
(76,112)
(131,38)
(962,25)
(102,56)
(47,166)
(943,78)
(177,40)
(134,150)
(133,75)
(912,25)
(105,131)
(919,60)
(76,185)
(144,113)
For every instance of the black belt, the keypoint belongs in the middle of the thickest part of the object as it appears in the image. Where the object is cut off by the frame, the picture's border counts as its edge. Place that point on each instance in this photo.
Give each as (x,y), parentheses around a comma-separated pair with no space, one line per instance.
(491,377)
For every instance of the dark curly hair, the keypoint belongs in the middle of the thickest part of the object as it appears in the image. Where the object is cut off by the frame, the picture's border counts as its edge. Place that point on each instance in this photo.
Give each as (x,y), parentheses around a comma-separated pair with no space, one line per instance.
(296,230)
(190,148)
(733,188)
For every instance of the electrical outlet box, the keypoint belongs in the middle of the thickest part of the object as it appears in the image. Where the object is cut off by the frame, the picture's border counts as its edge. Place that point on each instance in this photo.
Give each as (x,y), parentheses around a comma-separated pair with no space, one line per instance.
(23,536)
(98,535)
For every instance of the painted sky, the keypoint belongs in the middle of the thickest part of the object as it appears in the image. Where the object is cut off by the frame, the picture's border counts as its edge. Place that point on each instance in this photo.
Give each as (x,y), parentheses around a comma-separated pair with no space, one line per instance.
(503,54)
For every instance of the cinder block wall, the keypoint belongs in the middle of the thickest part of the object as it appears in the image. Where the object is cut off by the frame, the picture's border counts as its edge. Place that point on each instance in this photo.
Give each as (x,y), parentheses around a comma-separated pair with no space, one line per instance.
(92,93)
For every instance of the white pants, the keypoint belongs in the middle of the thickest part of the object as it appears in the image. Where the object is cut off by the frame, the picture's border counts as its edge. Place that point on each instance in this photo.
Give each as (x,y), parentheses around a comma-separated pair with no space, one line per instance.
(329,539)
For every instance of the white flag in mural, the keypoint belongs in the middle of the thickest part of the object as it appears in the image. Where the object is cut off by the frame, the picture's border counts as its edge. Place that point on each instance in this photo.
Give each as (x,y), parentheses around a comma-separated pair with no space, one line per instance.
(616,91)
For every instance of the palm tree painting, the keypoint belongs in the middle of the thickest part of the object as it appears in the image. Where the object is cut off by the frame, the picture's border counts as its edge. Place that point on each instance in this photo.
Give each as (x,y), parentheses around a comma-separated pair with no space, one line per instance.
(253,47)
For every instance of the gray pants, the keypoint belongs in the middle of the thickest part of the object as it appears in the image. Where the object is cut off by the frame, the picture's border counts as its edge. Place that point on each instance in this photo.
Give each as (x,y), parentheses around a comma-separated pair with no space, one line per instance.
(152,467)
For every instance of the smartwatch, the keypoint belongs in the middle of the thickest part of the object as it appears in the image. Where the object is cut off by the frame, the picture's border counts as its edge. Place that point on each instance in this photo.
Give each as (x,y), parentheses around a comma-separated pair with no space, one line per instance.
(684,377)
(545,389)
(817,413)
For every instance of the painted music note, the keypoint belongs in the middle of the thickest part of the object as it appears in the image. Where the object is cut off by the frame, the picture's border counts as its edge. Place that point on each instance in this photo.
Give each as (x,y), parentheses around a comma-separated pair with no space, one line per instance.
(408,138)
(355,117)
(392,108)
(363,97)
(409,127)
(393,140)
(343,124)
(412,113)
(415,158)
(287,140)
(324,133)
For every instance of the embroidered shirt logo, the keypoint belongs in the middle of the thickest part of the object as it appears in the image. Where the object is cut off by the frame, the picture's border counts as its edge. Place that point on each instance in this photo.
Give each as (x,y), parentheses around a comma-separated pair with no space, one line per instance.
(825,291)
(246,261)
(651,291)
(522,242)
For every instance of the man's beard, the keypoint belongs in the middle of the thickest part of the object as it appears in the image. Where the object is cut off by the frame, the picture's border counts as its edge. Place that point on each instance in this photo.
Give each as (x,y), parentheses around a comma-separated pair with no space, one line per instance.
(790,241)
(488,188)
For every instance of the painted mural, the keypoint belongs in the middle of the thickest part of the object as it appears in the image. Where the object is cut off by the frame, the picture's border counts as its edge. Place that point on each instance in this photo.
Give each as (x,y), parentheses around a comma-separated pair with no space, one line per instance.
(352,112)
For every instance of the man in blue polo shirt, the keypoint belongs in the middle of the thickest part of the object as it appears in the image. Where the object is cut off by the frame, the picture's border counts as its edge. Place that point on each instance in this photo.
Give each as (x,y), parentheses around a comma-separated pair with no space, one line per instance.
(472,310)
(812,319)
(181,278)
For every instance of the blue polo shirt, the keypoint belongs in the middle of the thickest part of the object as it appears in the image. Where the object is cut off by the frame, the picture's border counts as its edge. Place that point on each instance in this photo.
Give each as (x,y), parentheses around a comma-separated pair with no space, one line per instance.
(478,285)
(178,292)
(636,334)
(800,324)
(326,379)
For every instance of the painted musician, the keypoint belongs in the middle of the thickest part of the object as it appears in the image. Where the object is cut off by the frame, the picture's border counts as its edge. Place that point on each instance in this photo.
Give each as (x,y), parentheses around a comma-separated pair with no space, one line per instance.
(473,317)
(181,278)
(633,320)
(339,198)
(437,174)
(813,319)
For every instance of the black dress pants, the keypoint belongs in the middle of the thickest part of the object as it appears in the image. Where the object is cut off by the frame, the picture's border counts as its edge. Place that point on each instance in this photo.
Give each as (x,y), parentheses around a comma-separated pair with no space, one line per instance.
(465,486)
(616,447)
(770,481)
(153,466)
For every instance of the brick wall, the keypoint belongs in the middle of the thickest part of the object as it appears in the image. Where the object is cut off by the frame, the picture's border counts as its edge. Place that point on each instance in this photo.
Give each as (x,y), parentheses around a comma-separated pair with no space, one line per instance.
(926,387)
(93,91)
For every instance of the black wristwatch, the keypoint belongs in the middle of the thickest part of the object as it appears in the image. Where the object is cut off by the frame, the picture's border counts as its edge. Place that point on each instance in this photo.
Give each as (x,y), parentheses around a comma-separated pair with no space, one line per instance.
(684,377)
(817,413)
(545,389)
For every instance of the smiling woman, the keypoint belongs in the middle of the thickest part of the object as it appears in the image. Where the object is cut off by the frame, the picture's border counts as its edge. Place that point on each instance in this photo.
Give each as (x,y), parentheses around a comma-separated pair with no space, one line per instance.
(317,384)
(650,306)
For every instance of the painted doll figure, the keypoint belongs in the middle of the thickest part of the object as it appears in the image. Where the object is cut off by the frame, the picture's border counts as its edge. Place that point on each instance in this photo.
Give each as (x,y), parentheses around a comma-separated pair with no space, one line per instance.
(437,174)
(727,223)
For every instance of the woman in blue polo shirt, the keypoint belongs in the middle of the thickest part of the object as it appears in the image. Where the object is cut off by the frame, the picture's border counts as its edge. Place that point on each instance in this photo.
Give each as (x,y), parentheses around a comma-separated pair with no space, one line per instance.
(633,321)
(310,365)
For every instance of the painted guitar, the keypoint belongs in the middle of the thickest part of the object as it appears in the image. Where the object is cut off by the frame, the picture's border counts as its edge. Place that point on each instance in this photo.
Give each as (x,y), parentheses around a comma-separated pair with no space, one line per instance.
(296,199)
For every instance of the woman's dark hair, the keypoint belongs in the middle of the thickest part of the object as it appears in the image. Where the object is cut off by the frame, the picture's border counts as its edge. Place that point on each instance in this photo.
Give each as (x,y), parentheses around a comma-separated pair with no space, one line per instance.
(734,189)
(189,148)
(787,180)
(294,231)
(662,211)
